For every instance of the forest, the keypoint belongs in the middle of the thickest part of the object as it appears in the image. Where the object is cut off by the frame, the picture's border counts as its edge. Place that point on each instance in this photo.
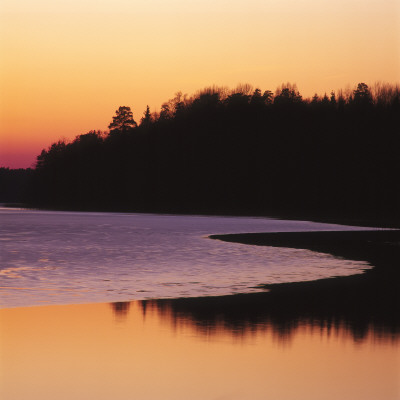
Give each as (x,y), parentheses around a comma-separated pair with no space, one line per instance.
(241,151)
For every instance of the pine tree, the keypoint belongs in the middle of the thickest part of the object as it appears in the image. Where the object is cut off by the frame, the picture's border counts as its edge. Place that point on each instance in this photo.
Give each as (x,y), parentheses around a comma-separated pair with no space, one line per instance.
(122,121)
(146,119)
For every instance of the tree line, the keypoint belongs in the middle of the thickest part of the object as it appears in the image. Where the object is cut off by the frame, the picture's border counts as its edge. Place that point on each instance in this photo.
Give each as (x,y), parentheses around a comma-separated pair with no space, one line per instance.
(14,184)
(241,151)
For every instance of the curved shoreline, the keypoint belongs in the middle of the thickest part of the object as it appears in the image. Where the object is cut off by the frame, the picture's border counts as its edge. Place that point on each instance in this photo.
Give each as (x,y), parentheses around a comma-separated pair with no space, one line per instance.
(361,302)
(338,243)
(380,248)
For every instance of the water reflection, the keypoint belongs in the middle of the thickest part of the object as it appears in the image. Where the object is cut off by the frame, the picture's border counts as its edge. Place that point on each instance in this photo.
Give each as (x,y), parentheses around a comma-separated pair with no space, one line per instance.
(176,350)
(360,306)
(120,308)
(245,315)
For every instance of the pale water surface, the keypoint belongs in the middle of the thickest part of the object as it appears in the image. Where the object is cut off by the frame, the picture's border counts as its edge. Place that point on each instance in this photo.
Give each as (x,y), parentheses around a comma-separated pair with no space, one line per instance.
(50,257)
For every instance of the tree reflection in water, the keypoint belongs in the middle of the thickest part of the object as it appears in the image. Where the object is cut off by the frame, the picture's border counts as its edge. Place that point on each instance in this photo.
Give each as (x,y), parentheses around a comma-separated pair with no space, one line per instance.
(360,305)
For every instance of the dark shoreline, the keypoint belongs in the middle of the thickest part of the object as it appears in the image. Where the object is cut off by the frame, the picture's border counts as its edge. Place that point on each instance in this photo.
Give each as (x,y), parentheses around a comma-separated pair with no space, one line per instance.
(361,303)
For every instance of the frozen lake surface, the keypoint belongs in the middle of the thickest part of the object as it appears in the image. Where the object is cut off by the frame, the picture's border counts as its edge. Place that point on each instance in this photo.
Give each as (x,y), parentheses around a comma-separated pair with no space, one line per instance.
(50,257)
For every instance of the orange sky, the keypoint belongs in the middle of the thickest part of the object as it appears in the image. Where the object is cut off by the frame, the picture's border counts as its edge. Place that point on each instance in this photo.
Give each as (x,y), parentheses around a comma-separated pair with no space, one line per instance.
(67,65)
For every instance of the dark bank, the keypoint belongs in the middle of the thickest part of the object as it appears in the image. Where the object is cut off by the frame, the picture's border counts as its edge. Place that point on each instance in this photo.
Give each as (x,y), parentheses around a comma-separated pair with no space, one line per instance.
(365,303)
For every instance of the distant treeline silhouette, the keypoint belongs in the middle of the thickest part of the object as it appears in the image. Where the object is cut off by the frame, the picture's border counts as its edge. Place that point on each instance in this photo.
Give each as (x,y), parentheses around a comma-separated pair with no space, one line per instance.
(236,151)
(14,184)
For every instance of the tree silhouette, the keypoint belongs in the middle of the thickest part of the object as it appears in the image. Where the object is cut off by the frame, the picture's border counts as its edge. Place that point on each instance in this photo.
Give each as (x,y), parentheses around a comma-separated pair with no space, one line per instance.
(333,98)
(146,119)
(287,94)
(122,121)
(165,112)
(264,154)
(268,97)
(256,97)
(362,95)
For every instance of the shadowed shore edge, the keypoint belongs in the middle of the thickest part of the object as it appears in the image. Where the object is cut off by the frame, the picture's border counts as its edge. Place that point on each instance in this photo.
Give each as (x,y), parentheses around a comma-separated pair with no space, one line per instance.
(362,303)
(371,246)
(374,294)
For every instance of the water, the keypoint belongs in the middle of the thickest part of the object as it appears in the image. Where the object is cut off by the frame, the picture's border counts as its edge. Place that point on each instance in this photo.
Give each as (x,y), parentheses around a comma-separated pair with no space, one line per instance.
(128,351)
(52,257)
(242,348)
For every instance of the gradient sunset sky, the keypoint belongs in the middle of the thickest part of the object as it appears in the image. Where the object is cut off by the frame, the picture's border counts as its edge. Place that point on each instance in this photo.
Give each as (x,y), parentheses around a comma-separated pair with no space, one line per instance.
(67,65)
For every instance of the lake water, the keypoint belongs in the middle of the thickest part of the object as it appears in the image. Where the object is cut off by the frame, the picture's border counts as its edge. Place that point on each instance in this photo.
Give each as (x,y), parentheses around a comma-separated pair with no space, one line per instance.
(52,257)
(178,348)
(128,351)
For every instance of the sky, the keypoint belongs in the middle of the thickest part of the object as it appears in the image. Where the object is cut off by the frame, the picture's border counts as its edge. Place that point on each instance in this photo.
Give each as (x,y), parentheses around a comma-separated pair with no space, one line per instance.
(67,65)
